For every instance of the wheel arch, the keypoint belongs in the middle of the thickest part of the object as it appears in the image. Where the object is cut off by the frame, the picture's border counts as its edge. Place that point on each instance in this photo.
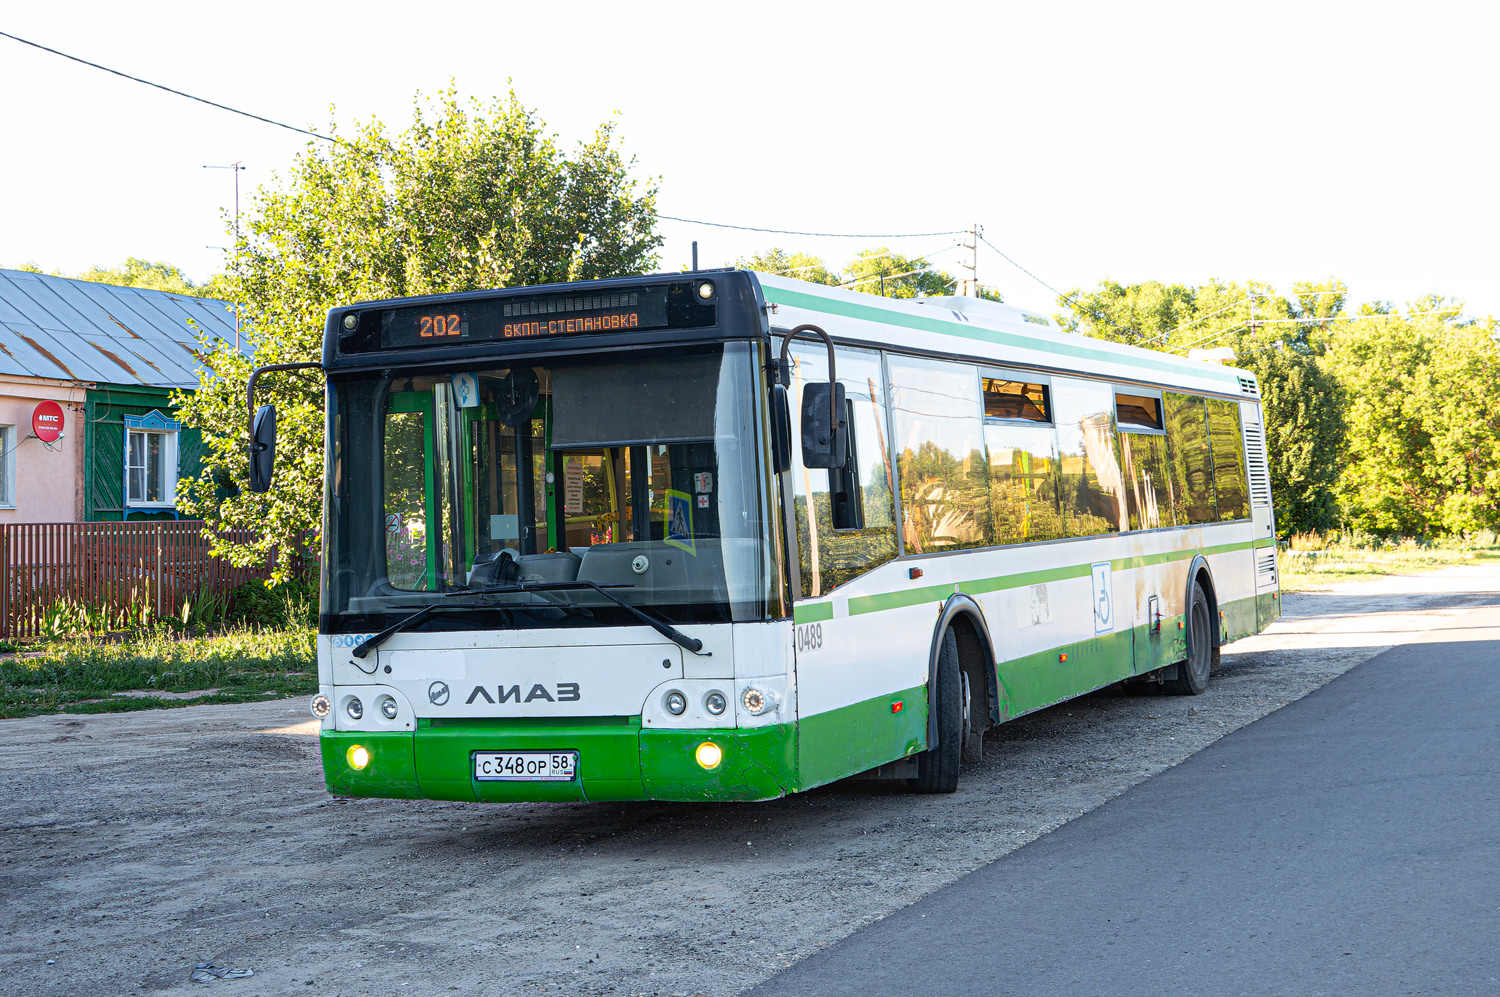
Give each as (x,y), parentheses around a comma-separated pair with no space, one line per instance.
(965,616)
(1203,575)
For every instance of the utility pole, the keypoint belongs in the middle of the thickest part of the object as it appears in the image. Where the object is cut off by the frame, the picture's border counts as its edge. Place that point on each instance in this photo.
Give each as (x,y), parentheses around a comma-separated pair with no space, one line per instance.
(968,286)
(237,166)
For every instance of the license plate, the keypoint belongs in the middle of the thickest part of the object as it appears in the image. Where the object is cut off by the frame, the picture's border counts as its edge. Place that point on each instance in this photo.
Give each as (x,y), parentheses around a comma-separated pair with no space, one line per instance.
(525,766)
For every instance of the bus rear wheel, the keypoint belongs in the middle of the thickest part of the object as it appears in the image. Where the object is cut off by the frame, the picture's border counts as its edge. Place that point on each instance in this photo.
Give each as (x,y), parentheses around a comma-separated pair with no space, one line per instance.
(937,768)
(1194,670)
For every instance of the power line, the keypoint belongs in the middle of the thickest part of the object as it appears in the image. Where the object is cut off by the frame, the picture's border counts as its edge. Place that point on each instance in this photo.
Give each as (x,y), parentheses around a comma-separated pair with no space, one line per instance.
(810,235)
(1065,297)
(201,100)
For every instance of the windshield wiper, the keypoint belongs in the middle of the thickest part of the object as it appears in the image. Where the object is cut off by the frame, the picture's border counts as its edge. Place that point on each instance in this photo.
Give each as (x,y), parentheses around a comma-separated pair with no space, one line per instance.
(665,629)
(371,643)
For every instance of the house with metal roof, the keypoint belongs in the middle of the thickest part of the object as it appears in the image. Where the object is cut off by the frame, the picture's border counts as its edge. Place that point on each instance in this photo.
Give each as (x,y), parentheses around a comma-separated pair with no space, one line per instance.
(87,374)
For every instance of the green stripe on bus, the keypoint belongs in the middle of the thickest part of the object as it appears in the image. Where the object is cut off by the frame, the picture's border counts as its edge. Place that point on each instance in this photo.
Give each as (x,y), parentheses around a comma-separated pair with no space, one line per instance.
(851,309)
(812,612)
(858,605)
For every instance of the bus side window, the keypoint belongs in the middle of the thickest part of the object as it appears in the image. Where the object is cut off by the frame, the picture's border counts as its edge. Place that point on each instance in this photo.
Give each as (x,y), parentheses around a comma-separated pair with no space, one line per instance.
(1191,470)
(853,524)
(1092,485)
(937,413)
(1021,445)
(1228,448)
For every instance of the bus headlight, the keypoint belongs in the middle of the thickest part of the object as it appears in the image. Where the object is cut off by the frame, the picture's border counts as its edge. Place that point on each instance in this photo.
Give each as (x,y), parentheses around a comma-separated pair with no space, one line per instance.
(709,755)
(706,290)
(320,706)
(388,708)
(354,708)
(715,703)
(676,703)
(755,701)
(359,757)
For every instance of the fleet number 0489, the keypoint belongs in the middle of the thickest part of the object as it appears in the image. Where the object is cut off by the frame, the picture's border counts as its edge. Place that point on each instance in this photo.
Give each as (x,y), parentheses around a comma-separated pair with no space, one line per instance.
(809,637)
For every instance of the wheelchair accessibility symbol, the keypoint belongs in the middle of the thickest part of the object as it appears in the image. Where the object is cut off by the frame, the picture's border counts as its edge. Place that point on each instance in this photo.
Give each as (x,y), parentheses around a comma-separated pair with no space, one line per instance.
(1104,610)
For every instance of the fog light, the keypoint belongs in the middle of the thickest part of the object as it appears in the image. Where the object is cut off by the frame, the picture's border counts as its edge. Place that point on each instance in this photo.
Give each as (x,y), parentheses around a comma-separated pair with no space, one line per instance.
(354,708)
(359,757)
(706,290)
(351,321)
(715,703)
(676,703)
(320,706)
(755,701)
(709,755)
(388,708)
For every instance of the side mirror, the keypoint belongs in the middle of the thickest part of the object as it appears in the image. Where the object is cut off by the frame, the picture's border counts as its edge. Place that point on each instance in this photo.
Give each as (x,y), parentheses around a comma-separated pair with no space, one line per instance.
(781,430)
(824,443)
(262,448)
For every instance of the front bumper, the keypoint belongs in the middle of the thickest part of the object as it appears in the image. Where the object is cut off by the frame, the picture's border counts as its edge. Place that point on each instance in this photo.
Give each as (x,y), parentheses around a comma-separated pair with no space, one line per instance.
(618,759)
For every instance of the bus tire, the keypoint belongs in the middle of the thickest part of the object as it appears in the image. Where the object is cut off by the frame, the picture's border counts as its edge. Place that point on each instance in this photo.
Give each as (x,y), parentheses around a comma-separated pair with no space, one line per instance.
(1194,670)
(937,767)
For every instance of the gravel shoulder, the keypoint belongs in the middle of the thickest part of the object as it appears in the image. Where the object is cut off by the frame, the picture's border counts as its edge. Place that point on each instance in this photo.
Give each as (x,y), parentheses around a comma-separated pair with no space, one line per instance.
(135,845)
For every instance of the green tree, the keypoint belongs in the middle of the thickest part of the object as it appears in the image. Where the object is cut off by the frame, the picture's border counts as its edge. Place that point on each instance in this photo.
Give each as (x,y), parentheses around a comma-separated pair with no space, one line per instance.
(157,275)
(1423,446)
(1281,339)
(467,197)
(881,271)
(799,266)
(1303,413)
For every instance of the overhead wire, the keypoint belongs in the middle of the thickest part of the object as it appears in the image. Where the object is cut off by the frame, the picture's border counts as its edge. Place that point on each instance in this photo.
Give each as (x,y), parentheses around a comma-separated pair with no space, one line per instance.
(810,235)
(171,90)
(1070,299)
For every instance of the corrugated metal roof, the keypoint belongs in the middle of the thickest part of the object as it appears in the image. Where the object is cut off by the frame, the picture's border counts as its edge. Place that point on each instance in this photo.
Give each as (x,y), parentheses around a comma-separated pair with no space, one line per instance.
(77,330)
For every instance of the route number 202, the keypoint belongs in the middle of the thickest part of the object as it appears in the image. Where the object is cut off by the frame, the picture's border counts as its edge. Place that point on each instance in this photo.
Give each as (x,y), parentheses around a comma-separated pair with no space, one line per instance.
(809,637)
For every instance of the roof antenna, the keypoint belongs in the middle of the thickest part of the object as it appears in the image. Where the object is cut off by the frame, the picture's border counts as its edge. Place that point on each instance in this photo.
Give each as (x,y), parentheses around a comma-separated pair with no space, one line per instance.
(695,254)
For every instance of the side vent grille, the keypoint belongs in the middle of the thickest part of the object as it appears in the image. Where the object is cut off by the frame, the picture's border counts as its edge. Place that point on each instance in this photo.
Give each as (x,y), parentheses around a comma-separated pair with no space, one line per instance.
(1255,455)
(1265,567)
(1247,385)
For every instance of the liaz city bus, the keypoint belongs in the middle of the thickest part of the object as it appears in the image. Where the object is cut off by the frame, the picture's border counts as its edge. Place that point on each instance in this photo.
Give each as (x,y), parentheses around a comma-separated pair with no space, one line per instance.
(721,535)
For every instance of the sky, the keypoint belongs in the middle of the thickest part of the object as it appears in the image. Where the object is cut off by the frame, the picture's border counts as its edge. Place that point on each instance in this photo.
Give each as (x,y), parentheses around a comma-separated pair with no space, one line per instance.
(1164,141)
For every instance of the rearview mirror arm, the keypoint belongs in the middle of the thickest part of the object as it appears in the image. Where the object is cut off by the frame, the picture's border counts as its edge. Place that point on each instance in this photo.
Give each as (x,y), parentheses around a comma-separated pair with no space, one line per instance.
(833,377)
(250,391)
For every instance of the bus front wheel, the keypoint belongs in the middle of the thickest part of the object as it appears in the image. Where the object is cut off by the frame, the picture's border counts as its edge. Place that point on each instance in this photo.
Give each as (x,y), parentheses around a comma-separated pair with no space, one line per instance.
(937,767)
(1193,672)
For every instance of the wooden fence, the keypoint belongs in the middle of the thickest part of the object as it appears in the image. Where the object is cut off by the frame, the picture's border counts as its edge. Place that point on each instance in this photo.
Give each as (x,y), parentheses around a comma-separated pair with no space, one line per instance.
(159,565)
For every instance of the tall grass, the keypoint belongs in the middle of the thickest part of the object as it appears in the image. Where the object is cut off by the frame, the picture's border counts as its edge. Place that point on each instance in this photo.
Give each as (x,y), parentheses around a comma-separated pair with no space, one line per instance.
(1311,560)
(80,675)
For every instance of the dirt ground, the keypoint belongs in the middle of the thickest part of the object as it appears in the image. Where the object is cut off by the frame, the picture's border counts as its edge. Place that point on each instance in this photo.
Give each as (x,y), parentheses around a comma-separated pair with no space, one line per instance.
(134,846)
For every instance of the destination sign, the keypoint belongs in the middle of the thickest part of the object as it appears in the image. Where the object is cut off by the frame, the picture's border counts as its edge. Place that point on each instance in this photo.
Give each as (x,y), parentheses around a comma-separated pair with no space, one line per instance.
(525,318)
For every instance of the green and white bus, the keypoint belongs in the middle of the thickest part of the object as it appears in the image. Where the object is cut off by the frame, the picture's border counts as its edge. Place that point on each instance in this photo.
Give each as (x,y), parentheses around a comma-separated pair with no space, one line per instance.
(722,535)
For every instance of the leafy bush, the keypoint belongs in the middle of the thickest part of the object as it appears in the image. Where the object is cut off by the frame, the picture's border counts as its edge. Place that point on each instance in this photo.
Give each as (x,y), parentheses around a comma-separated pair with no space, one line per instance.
(261,604)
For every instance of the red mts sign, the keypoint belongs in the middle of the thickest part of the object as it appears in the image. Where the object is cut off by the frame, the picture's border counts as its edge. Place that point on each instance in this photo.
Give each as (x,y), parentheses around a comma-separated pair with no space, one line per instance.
(47,421)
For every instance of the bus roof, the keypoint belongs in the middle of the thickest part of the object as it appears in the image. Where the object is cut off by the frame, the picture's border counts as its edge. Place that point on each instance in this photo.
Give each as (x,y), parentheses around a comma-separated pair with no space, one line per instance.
(989,331)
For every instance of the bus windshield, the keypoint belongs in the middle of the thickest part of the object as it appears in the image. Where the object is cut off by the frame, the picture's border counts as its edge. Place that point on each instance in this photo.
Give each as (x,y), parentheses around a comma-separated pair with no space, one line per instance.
(508,483)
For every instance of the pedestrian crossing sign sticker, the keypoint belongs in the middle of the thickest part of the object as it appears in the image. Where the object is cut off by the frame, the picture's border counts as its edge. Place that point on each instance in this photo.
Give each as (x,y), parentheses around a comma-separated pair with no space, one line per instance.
(680,520)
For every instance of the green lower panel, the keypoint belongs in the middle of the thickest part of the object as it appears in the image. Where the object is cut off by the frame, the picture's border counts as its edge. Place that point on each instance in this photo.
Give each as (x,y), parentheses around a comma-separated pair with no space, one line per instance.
(608,761)
(1267,609)
(391,771)
(1160,647)
(1238,619)
(759,764)
(1039,680)
(861,736)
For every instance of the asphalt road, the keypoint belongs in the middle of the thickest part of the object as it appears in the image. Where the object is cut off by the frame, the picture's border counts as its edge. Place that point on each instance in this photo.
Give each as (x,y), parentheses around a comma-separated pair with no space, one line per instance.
(134,845)
(1348,843)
